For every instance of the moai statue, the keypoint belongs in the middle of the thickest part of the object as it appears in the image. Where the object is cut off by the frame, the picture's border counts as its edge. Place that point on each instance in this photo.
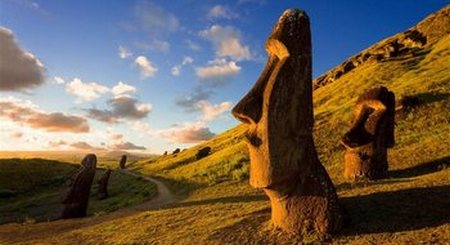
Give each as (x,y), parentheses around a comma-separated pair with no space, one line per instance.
(279,113)
(77,199)
(371,134)
(103,185)
(123,161)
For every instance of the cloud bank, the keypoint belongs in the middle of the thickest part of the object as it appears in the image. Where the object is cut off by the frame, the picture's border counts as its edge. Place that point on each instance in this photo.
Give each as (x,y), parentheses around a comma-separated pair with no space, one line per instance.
(19,69)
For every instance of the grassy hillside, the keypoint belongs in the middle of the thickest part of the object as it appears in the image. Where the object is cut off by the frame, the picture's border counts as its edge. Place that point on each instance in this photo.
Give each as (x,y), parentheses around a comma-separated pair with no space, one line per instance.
(219,207)
(32,190)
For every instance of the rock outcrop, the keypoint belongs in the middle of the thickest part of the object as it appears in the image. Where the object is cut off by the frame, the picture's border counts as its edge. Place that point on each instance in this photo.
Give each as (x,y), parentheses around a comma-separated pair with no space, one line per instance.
(77,198)
(410,43)
(279,113)
(371,134)
(103,185)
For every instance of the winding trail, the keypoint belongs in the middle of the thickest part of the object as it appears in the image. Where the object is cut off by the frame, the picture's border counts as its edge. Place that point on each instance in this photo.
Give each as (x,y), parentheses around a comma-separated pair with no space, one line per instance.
(14,232)
(164,195)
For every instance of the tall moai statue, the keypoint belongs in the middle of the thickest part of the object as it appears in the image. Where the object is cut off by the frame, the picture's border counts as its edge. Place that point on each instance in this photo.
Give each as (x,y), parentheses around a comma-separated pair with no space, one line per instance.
(103,185)
(123,162)
(77,199)
(279,113)
(371,133)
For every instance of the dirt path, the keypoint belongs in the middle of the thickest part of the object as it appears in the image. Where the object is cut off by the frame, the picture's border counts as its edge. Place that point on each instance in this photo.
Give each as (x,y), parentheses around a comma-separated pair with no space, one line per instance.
(13,232)
(164,195)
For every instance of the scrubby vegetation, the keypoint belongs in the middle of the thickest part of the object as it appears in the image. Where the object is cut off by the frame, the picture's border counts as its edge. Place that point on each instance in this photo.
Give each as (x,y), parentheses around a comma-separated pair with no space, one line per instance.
(34,188)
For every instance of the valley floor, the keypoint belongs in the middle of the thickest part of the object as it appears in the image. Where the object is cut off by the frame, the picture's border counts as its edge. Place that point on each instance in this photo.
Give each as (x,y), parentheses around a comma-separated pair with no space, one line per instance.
(411,207)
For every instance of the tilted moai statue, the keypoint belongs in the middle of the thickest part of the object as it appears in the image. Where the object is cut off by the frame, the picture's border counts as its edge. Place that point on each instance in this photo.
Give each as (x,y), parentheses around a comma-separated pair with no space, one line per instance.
(279,113)
(123,162)
(77,199)
(370,135)
(103,185)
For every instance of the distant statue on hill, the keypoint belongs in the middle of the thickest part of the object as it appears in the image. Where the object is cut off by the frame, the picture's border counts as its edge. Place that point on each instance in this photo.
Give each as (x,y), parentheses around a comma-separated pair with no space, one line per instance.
(77,199)
(370,135)
(203,152)
(123,162)
(103,185)
(279,113)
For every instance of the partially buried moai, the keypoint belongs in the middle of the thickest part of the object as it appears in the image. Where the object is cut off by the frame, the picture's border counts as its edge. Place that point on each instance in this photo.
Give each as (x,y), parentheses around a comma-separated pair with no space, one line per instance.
(77,198)
(103,185)
(279,113)
(123,162)
(371,133)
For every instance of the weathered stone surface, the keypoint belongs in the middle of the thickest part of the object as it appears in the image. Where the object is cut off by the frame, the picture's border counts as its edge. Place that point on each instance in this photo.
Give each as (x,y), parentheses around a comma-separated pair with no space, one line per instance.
(77,198)
(203,152)
(279,113)
(371,134)
(103,185)
(123,162)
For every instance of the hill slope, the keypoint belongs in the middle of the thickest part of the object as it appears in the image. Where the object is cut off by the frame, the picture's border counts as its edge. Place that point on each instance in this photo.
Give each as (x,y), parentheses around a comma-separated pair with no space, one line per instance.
(219,206)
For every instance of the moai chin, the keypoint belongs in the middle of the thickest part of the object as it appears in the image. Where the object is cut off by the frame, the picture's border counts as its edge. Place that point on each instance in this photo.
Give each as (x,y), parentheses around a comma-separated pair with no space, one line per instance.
(370,135)
(77,199)
(279,113)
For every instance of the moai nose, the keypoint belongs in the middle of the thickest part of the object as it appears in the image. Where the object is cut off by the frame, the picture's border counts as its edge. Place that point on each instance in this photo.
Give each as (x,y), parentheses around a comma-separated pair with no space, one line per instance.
(249,109)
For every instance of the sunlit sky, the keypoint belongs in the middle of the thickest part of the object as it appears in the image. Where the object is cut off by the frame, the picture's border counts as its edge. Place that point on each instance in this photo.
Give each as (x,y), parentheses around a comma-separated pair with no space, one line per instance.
(155,75)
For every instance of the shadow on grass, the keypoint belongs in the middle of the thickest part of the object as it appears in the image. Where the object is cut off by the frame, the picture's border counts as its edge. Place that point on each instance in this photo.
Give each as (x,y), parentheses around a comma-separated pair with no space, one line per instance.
(367,183)
(422,169)
(228,199)
(395,211)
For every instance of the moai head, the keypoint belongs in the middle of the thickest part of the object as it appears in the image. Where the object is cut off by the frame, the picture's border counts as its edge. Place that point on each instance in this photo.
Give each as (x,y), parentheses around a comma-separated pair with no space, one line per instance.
(89,161)
(374,114)
(370,135)
(278,109)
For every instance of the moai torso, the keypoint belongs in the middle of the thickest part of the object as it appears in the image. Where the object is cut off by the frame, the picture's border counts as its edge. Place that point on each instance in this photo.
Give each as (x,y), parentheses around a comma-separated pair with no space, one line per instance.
(77,199)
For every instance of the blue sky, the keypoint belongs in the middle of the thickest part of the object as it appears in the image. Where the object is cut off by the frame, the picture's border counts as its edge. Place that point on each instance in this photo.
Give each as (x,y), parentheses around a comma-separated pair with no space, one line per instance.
(182,64)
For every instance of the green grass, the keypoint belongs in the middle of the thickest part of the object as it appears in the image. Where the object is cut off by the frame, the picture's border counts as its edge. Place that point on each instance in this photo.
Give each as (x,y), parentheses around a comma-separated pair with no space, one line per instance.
(38,187)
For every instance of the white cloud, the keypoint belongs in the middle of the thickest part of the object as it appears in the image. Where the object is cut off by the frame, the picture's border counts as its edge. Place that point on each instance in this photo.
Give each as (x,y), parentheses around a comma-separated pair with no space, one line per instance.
(220,11)
(27,113)
(85,91)
(218,68)
(176,70)
(124,52)
(146,66)
(226,40)
(122,88)
(121,107)
(19,69)
(187,60)
(59,80)
(186,133)
(210,111)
